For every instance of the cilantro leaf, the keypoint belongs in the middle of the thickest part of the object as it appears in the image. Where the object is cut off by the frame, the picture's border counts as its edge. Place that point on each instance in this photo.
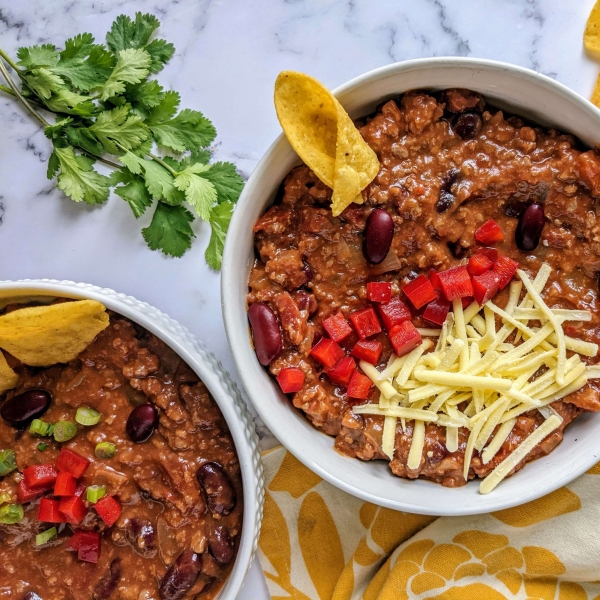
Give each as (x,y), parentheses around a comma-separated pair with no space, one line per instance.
(189,130)
(43,82)
(53,166)
(78,179)
(65,101)
(133,191)
(53,132)
(144,96)
(220,218)
(165,109)
(83,138)
(160,52)
(118,125)
(170,230)
(37,56)
(126,33)
(199,192)
(226,180)
(132,67)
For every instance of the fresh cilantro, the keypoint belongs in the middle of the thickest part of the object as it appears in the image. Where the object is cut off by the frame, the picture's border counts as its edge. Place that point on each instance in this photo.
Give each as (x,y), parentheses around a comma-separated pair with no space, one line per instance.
(105,104)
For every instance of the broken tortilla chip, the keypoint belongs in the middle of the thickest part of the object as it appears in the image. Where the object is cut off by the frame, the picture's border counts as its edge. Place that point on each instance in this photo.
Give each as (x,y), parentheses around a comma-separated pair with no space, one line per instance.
(591,36)
(8,378)
(324,136)
(40,336)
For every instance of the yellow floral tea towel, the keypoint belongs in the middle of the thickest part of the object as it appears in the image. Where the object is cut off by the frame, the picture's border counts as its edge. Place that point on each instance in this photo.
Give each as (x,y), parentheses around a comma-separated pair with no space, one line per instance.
(319,543)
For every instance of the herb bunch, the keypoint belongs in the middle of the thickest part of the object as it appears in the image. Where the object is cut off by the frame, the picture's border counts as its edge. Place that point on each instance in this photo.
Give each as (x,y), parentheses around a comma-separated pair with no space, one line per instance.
(105,103)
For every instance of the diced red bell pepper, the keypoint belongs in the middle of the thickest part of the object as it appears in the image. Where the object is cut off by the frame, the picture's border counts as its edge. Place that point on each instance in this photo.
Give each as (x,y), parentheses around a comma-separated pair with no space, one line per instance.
(435,280)
(342,372)
(479,264)
(419,291)
(109,509)
(88,549)
(359,386)
(485,287)
(467,300)
(404,338)
(74,540)
(65,484)
(337,327)
(48,511)
(327,352)
(73,508)
(368,350)
(393,313)
(437,311)
(489,233)
(40,475)
(456,283)
(80,490)
(491,253)
(379,291)
(27,494)
(505,268)
(365,322)
(290,379)
(71,462)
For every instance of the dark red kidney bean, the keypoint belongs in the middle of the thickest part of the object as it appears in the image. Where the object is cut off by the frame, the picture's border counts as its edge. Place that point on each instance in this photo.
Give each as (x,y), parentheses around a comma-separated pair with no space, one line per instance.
(19,410)
(529,228)
(468,124)
(140,533)
(108,584)
(317,337)
(142,422)
(514,208)
(31,596)
(377,237)
(265,332)
(446,198)
(458,250)
(220,495)
(220,545)
(180,576)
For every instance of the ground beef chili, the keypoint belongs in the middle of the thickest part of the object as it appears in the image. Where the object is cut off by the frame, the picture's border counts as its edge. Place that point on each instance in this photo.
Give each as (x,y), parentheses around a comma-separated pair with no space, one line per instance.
(179,492)
(449,163)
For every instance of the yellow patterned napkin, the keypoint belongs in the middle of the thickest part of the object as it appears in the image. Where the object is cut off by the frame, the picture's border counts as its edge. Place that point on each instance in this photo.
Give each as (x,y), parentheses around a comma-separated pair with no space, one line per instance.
(319,543)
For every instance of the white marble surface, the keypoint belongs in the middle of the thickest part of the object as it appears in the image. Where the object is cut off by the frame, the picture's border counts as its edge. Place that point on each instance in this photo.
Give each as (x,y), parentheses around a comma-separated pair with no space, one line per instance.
(228,55)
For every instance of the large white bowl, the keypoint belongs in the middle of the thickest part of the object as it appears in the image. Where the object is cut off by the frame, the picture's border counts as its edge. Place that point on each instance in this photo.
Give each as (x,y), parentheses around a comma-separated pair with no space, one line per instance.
(210,371)
(508,86)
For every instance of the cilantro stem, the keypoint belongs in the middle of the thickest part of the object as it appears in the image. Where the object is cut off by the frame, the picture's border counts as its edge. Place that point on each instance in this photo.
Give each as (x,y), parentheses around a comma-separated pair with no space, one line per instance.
(7,90)
(163,163)
(9,60)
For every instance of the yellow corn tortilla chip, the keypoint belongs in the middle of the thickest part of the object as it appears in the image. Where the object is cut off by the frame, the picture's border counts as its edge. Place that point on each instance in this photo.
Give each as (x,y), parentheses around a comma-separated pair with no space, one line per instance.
(595,99)
(324,137)
(591,36)
(45,335)
(8,378)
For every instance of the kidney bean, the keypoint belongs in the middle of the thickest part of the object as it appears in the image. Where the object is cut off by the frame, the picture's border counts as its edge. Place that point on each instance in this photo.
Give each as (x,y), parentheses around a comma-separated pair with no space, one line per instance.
(142,422)
(19,410)
(468,124)
(220,545)
(108,584)
(457,249)
(141,534)
(377,237)
(529,228)
(220,495)
(180,576)
(446,198)
(265,332)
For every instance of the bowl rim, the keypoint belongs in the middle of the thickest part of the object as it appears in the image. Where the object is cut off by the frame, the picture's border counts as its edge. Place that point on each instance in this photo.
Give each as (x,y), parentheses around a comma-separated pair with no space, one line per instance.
(219,383)
(234,261)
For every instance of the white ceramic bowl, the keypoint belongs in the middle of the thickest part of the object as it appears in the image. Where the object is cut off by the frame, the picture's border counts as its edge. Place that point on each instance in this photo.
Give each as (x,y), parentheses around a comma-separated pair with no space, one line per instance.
(507,86)
(210,371)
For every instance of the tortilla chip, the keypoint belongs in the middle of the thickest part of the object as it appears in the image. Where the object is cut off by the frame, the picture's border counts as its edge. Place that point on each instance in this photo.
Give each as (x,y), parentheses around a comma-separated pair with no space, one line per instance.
(45,335)
(8,378)
(325,138)
(595,99)
(591,36)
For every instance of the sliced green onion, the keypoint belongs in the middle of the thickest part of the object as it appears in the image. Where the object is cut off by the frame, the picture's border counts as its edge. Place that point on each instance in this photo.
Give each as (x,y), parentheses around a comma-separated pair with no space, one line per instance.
(39,427)
(42,447)
(95,492)
(50,430)
(11,513)
(4,497)
(105,450)
(87,416)
(7,462)
(45,536)
(64,431)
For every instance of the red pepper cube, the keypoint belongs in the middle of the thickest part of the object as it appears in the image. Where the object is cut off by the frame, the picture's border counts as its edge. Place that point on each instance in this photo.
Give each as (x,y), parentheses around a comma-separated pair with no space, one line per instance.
(342,372)
(491,253)
(419,291)
(327,352)
(437,311)
(365,322)
(393,313)
(467,300)
(368,350)
(73,509)
(48,511)
(489,233)
(479,264)
(71,462)
(404,338)
(485,287)
(290,379)
(456,283)
(109,509)
(505,268)
(74,540)
(27,494)
(379,291)
(65,484)
(435,280)
(359,386)
(40,475)
(337,327)
(88,546)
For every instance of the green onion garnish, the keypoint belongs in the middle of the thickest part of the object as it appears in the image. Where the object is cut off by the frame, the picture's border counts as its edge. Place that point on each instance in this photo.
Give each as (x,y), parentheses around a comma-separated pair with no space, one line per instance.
(64,431)
(95,492)
(4,497)
(39,427)
(11,513)
(7,462)
(42,447)
(105,450)
(45,536)
(87,416)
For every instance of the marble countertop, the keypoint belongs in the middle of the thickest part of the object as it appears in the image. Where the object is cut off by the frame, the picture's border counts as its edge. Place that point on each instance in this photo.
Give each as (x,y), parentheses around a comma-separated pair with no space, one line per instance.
(228,55)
